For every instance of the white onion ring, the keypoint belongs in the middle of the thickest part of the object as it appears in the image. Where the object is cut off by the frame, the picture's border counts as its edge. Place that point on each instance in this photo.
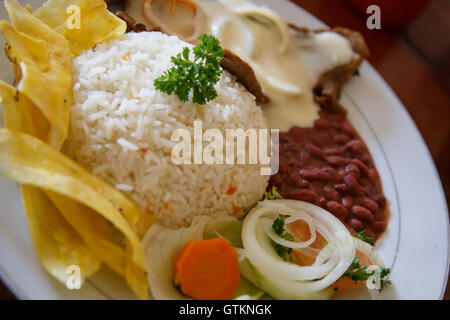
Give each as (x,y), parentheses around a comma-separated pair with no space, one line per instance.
(299,279)
(199,23)
(292,244)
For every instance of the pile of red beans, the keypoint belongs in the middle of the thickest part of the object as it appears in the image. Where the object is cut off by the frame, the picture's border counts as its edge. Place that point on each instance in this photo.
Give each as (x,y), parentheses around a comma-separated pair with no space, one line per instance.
(330,166)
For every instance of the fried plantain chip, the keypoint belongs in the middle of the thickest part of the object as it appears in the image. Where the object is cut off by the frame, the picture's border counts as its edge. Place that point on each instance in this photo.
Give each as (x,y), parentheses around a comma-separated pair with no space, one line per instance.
(97,233)
(136,277)
(43,57)
(30,161)
(97,24)
(20,114)
(57,244)
(104,241)
(99,236)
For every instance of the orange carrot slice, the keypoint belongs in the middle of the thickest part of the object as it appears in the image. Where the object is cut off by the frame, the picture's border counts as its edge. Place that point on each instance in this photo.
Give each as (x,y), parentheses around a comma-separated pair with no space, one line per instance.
(345,283)
(207,269)
(301,230)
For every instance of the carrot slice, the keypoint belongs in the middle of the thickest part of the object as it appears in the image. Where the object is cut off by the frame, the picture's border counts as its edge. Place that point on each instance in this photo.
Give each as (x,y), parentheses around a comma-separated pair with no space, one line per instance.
(207,269)
(301,229)
(345,283)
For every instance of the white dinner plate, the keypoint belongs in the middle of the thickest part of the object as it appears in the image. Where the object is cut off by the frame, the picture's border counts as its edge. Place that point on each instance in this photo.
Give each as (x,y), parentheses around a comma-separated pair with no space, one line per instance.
(415,245)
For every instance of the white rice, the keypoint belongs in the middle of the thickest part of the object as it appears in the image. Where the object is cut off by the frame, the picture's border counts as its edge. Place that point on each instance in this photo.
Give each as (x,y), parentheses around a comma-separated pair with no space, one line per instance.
(117,113)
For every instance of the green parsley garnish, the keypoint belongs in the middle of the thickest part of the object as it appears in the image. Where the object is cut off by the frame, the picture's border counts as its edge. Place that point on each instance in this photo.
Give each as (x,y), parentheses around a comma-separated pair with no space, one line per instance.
(363,237)
(272,194)
(363,273)
(278,227)
(198,76)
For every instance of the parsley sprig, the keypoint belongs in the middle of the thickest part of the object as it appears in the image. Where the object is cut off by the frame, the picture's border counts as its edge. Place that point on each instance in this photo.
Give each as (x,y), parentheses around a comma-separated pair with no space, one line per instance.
(363,273)
(363,237)
(198,76)
(278,227)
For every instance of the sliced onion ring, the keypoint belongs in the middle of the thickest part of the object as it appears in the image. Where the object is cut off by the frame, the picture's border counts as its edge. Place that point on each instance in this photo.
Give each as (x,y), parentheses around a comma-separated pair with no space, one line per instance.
(305,281)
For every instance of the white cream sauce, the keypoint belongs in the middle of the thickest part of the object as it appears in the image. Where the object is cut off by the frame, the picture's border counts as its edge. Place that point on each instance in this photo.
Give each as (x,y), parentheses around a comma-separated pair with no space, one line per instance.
(287,63)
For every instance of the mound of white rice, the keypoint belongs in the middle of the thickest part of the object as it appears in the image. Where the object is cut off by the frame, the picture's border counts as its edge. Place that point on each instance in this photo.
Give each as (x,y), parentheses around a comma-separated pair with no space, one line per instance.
(121,129)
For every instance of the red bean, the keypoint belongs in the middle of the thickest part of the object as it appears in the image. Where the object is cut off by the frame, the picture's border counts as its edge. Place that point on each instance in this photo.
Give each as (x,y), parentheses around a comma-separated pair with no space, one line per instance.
(304,195)
(378,225)
(332,172)
(294,177)
(310,175)
(284,138)
(366,159)
(337,160)
(341,138)
(362,213)
(291,162)
(357,224)
(380,216)
(304,158)
(314,138)
(373,175)
(364,182)
(347,202)
(341,188)
(330,193)
(315,151)
(321,202)
(369,204)
(353,169)
(283,167)
(356,146)
(333,151)
(348,129)
(336,125)
(337,209)
(352,184)
(369,233)
(296,133)
(364,169)
(276,180)
(380,200)
(324,176)
(322,123)
(304,183)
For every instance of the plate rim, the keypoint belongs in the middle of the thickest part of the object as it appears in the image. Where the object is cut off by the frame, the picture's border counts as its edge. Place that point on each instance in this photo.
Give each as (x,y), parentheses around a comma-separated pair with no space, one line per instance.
(19,293)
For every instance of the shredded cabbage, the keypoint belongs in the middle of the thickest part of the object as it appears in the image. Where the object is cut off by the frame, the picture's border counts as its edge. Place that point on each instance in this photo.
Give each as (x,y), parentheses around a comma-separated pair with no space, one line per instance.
(162,246)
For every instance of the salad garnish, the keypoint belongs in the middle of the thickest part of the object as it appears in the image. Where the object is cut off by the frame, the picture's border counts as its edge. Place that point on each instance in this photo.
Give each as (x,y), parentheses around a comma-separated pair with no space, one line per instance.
(363,237)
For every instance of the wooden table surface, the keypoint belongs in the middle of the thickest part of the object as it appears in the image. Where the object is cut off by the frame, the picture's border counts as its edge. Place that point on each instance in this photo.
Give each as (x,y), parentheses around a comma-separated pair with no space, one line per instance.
(415,61)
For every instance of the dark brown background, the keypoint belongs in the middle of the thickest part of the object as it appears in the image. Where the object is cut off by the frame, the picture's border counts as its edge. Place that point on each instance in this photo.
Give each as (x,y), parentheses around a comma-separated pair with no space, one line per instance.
(415,61)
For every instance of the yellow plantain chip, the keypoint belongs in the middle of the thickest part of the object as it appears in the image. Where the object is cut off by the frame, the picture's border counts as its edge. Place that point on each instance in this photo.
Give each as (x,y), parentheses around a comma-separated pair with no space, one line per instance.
(136,277)
(86,216)
(20,114)
(97,233)
(104,241)
(42,62)
(29,161)
(84,23)
(57,244)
